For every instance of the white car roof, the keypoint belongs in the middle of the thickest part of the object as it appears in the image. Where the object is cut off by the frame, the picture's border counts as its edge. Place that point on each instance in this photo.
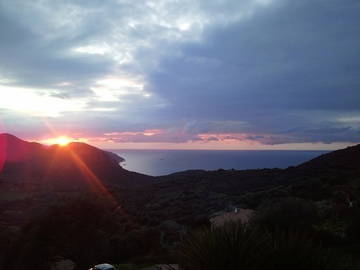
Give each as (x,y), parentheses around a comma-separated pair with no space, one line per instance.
(104,266)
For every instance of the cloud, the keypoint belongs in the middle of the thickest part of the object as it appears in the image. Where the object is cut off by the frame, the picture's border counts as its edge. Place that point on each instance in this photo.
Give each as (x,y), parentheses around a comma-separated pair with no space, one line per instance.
(292,65)
(272,71)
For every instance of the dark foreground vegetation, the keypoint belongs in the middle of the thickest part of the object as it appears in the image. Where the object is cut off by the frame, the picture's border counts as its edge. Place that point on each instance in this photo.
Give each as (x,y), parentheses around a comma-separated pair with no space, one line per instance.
(290,233)
(305,217)
(236,246)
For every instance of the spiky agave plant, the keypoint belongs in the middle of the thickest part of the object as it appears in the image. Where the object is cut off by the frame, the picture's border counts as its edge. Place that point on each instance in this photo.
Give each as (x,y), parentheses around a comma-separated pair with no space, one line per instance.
(233,246)
(239,247)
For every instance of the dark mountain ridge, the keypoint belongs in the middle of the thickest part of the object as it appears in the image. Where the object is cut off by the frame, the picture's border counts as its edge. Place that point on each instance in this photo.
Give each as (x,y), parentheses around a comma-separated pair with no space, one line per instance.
(347,159)
(74,166)
(188,195)
(197,194)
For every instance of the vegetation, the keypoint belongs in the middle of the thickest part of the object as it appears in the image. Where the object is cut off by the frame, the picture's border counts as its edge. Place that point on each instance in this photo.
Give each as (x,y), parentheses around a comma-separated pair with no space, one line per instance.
(306,217)
(86,230)
(235,246)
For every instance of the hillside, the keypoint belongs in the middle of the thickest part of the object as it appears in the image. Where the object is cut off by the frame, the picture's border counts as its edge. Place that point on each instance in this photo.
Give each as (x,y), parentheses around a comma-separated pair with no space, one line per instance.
(35,176)
(34,172)
(192,196)
(72,167)
(64,199)
(346,160)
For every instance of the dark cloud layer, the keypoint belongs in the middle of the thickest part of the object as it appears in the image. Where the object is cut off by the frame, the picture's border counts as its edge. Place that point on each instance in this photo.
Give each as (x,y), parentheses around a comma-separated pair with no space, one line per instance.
(293,65)
(36,60)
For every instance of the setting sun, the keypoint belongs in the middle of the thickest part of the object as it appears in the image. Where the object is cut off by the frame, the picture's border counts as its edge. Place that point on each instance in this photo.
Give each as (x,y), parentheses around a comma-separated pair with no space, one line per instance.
(62,141)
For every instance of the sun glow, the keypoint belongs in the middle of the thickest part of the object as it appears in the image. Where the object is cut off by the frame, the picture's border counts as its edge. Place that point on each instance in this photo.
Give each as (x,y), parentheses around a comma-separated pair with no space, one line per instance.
(61,140)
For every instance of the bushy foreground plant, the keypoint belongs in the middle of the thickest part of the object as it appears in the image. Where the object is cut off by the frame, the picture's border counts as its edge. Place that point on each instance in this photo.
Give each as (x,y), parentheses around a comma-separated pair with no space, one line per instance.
(235,246)
(230,247)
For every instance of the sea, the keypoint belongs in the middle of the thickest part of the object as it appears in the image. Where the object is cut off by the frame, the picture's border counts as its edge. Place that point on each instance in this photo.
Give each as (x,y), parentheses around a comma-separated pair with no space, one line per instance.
(163,162)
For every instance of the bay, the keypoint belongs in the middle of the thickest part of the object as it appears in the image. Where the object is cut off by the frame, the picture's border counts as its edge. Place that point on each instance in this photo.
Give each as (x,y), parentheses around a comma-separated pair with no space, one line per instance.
(162,162)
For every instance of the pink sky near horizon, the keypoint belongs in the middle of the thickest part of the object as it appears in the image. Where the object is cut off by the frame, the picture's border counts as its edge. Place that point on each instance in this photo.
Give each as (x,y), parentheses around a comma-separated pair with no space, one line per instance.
(162,139)
(158,139)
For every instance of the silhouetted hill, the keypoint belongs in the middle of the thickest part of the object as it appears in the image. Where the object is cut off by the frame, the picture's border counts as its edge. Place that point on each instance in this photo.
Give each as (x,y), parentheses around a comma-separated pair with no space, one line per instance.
(32,171)
(347,160)
(14,149)
(194,195)
(75,166)
(34,176)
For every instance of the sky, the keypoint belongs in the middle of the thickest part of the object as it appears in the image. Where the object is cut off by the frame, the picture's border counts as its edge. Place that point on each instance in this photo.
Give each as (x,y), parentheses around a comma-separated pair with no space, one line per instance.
(170,74)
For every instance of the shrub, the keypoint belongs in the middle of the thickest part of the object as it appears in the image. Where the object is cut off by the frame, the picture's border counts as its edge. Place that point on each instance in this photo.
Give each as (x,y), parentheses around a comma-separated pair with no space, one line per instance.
(233,246)
(236,247)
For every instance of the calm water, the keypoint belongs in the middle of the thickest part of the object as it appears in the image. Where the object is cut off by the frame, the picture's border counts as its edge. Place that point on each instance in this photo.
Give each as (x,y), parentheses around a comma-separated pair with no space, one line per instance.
(161,162)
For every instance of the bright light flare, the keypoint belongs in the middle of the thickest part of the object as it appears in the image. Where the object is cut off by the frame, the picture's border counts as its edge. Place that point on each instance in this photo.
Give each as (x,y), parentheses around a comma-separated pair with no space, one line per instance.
(62,141)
